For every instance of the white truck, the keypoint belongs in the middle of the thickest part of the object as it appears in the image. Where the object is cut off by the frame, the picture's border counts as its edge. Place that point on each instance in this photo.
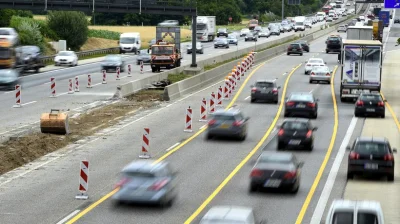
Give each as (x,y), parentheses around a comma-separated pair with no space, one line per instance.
(361,68)
(360,33)
(205,29)
(299,23)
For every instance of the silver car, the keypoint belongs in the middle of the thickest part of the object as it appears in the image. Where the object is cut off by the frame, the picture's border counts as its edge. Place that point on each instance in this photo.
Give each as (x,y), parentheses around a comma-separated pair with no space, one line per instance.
(320,74)
(221,42)
(230,123)
(230,214)
(264,33)
(342,28)
(233,38)
(147,182)
(199,48)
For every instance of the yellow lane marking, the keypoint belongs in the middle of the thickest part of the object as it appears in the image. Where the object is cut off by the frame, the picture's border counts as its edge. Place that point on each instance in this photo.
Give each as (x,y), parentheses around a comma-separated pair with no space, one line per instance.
(392,112)
(317,179)
(245,160)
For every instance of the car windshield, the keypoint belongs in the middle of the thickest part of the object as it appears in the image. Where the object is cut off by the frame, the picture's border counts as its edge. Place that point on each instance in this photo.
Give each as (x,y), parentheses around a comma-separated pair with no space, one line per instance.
(367,218)
(144,52)
(221,30)
(64,53)
(278,158)
(334,38)
(231,36)
(299,23)
(168,50)
(264,85)
(5,32)
(371,97)
(371,148)
(301,97)
(295,45)
(112,58)
(343,218)
(315,61)
(7,73)
(294,125)
(245,30)
(138,174)
(221,117)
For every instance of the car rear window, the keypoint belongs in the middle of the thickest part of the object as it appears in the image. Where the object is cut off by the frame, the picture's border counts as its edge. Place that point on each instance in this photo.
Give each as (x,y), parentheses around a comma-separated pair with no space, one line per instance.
(223,118)
(367,218)
(295,45)
(275,159)
(308,98)
(317,68)
(343,218)
(371,148)
(138,174)
(295,125)
(315,61)
(370,97)
(264,84)
(334,38)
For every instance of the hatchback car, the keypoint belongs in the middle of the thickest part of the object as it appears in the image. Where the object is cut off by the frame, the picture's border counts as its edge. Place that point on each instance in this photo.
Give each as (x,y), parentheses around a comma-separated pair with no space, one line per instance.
(342,28)
(274,30)
(301,104)
(264,33)
(199,48)
(333,44)
(370,104)
(147,182)
(244,32)
(371,155)
(296,133)
(295,48)
(287,27)
(9,78)
(233,39)
(66,58)
(250,37)
(276,170)
(222,32)
(221,42)
(112,62)
(143,56)
(304,45)
(230,123)
(397,20)
(265,90)
(313,62)
(320,74)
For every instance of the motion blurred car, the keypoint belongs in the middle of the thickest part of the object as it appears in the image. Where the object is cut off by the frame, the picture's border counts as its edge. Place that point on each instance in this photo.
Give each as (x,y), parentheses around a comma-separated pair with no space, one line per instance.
(276,170)
(296,133)
(370,104)
(344,211)
(29,58)
(147,182)
(143,56)
(221,42)
(264,33)
(312,62)
(397,20)
(333,44)
(9,34)
(66,58)
(199,48)
(301,104)
(250,37)
(304,45)
(274,30)
(169,23)
(371,155)
(222,32)
(229,214)
(233,39)
(152,41)
(244,32)
(287,27)
(265,90)
(112,62)
(320,74)
(342,28)
(294,48)
(230,123)
(9,78)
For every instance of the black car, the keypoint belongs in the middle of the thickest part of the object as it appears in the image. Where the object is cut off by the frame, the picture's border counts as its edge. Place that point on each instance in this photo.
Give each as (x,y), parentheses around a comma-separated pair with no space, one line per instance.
(295,48)
(333,44)
(251,37)
(397,20)
(9,78)
(29,58)
(304,45)
(112,62)
(221,42)
(265,90)
(370,104)
(371,155)
(143,56)
(222,32)
(278,170)
(301,104)
(296,133)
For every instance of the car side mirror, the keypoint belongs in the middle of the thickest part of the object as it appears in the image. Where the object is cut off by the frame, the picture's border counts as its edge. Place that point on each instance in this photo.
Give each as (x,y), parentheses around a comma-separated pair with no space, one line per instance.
(251,86)
(300,164)
(325,62)
(315,128)
(394,150)
(385,100)
(348,148)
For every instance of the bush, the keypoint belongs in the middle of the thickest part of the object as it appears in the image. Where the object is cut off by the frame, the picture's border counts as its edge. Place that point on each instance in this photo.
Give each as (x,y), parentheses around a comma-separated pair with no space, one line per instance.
(69,26)
(28,30)
(46,31)
(105,34)
(398,41)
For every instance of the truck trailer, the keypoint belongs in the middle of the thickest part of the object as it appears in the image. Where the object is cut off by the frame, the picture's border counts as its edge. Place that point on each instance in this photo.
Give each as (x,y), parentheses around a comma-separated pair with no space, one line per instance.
(205,29)
(360,33)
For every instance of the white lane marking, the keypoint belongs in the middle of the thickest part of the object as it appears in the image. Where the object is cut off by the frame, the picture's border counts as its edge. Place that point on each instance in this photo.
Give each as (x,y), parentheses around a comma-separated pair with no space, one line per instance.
(202,127)
(68,217)
(46,83)
(9,92)
(284,73)
(176,144)
(388,32)
(90,104)
(311,91)
(28,103)
(326,192)
(97,84)
(247,98)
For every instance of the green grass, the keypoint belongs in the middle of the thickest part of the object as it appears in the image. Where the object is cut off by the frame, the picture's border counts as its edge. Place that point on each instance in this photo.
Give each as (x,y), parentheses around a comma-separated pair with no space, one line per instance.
(105,34)
(173,78)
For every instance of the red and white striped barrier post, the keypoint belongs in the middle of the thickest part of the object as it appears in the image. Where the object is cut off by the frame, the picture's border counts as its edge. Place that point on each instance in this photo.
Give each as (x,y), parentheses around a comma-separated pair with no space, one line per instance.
(118,73)
(233,74)
(253,54)
(129,70)
(238,72)
(188,120)
(243,67)
(141,67)
(219,96)
(70,87)
(145,144)
(230,84)
(226,89)
(83,180)
(104,77)
(203,110)
(53,87)
(76,84)
(17,96)
(211,108)
(247,63)
(89,81)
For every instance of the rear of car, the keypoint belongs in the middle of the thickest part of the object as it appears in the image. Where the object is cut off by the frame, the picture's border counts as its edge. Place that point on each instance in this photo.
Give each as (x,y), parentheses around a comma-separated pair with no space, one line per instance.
(222,32)
(369,104)
(342,28)
(229,123)
(320,74)
(112,62)
(251,37)
(143,56)
(301,104)
(294,48)
(304,45)
(244,32)
(274,29)
(229,215)
(296,133)
(313,62)
(333,44)
(265,90)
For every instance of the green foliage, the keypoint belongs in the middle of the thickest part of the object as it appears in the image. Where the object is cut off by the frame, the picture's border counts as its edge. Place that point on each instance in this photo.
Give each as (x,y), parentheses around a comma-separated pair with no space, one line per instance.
(46,31)
(69,26)
(398,41)
(111,35)
(7,14)
(28,30)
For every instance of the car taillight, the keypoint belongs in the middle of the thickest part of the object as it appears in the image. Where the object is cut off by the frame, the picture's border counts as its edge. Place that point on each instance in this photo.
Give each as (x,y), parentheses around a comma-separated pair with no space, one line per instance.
(328,42)
(290,175)
(158,185)
(354,155)
(256,173)
(275,90)
(254,90)
(381,104)
(309,133)
(360,103)
(290,103)
(237,123)
(311,105)
(312,73)
(281,132)
(328,74)
(290,48)
(121,183)
(388,157)
(211,122)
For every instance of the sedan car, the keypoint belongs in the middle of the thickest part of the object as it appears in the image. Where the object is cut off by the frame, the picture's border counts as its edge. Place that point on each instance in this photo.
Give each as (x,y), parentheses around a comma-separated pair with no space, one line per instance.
(229,214)
(250,37)
(276,170)
(274,30)
(342,28)
(221,42)
(335,17)
(304,45)
(308,23)
(112,62)
(265,90)
(313,62)
(230,123)
(244,32)
(287,27)
(233,39)
(143,56)
(348,4)
(145,181)
(169,23)
(296,133)
(199,48)
(301,104)
(9,78)
(371,155)
(397,20)
(320,74)
(222,32)
(66,58)
(264,33)
(370,104)
(294,48)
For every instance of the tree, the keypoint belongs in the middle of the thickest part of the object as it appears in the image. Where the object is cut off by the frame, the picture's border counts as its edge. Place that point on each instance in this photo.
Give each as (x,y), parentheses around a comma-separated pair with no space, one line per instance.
(69,26)
(28,31)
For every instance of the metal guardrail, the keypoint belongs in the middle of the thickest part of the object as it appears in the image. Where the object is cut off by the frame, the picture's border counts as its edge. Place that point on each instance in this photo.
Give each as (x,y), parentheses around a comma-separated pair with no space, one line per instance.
(83,54)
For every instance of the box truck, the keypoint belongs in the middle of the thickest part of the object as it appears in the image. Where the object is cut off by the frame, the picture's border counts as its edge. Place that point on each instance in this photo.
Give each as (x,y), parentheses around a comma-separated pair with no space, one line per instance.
(360,33)
(205,29)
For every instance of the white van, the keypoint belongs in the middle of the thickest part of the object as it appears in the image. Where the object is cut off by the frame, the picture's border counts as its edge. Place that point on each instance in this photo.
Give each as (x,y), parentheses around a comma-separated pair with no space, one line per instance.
(229,214)
(129,42)
(321,16)
(299,23)
(354,212)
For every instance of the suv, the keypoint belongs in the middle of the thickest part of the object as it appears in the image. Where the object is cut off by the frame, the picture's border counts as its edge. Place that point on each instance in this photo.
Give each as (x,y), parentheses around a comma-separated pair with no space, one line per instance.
(295,48)
(265,90)
(333,44)
(222,32)
(229,123)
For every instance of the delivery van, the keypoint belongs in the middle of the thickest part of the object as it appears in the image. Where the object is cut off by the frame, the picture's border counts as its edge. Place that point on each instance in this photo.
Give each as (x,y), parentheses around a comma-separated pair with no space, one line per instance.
(129,42)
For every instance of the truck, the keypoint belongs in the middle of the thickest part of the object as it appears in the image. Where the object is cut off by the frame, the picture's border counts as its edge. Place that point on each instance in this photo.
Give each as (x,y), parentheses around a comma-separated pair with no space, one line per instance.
(164,55)
(205,28)
(299,23)
(361,68)
(252,24)
(378,29)
(360,33)
(384,16)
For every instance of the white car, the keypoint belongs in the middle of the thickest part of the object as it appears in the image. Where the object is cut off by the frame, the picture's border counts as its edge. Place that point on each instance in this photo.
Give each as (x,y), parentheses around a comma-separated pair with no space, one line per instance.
(244,32)
(335,17)
(329,19)
(348,4)
(313,62)
(229,214)
(10,34)
(66,58)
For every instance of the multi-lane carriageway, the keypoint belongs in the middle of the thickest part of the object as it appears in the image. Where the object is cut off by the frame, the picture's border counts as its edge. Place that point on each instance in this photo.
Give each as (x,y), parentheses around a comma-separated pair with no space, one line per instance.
(45,193)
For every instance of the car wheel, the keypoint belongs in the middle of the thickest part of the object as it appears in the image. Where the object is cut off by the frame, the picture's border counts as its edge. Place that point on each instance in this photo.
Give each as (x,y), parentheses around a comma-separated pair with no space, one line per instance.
(311,81)
(153,69)
(350,176)
(390,177)
(287,53)
(252,100)
(301,54)
(243,137)
(253,188)
(137,63)
(275,101)
(209,137)
(280,146)
(315,116)
(305,72)
(356,114)
(327,51)
(310,147)
(285,115)
(295,189)
(383,115)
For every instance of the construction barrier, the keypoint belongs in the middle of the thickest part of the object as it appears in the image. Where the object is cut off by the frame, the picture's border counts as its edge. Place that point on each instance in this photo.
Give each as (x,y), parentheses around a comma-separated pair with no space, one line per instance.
(129,70)
(53,87)
(203,110)
(76,84)
(230,84)
(243,67)
(54,122)
(141,67)
(233,74)
(188,120)
(83,181)
(145,144)
(238,73)
(226,89)
(17,96)
(211,108)
(118,73)
(219,96)
(70,87)
(104,77)
(89,81)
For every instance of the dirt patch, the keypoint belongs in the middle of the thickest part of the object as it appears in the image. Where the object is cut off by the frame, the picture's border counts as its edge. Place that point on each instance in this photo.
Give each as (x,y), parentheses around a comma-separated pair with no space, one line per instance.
(15,153)
(98,43)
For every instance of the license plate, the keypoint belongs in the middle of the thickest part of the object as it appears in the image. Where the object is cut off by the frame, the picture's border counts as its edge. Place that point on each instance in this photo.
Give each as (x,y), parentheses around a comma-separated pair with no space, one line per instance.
(371,166)
(301,106)
(370,110)
(272,183)
(294,142)
(224,126)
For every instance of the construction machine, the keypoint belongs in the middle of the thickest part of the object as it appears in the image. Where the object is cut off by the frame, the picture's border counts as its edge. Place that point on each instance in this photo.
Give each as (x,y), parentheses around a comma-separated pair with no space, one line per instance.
(54,122)
(164,55)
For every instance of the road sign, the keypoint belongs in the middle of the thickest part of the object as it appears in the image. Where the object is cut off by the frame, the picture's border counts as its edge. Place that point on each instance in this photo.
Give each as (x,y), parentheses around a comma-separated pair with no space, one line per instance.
(392,4)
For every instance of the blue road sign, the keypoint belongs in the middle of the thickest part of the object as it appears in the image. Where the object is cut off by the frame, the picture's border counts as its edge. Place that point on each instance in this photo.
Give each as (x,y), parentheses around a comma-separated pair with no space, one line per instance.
(392,4)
